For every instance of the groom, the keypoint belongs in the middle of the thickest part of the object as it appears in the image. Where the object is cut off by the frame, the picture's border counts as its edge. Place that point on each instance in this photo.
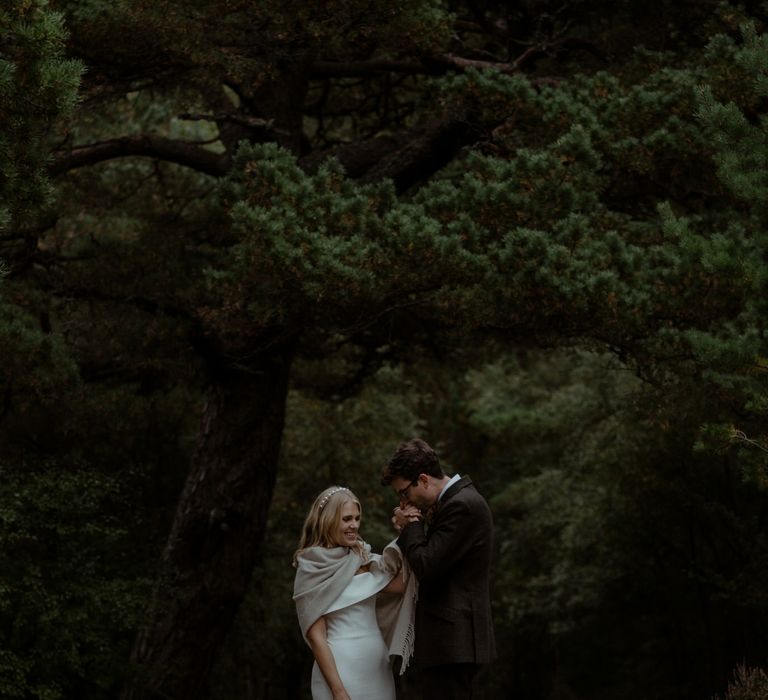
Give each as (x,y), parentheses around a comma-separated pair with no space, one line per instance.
(446,534)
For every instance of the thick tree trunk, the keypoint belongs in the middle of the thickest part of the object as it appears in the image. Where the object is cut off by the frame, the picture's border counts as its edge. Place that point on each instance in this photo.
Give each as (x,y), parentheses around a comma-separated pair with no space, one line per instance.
(219,524)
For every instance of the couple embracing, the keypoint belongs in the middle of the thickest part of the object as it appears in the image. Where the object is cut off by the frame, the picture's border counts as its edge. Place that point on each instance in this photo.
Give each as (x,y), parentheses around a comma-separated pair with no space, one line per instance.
(426,594)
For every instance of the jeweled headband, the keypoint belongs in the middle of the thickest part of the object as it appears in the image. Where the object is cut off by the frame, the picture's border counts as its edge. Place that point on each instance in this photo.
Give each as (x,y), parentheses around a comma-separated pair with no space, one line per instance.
(329,494)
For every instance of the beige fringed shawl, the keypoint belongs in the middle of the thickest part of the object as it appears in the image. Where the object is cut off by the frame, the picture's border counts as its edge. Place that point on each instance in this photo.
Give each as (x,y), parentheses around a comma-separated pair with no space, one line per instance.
(395,613)
(323,574)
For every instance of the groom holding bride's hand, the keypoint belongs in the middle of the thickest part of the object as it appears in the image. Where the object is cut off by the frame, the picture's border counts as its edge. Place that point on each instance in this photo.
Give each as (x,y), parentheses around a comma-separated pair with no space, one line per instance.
(446,534)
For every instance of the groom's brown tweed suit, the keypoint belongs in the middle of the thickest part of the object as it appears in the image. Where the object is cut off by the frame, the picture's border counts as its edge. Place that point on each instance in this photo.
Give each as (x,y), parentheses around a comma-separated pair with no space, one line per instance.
(451,557)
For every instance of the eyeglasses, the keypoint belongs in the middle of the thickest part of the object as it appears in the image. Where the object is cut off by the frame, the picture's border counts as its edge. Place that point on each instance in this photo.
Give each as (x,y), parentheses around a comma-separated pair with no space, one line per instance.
(403,493)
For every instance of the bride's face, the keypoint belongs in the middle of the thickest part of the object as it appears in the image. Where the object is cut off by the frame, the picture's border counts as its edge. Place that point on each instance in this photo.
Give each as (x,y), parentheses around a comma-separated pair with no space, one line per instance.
(349,525)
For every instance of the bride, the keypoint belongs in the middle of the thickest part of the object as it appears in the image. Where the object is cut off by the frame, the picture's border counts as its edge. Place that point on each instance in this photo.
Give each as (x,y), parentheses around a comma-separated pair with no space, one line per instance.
(355,608)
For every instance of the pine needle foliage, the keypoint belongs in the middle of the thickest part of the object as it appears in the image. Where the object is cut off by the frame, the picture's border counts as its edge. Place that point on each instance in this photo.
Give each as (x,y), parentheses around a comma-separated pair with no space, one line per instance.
(38,86)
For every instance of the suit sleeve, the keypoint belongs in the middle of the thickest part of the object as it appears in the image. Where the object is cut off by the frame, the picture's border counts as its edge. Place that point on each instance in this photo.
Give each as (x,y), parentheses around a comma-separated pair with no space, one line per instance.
(450,538)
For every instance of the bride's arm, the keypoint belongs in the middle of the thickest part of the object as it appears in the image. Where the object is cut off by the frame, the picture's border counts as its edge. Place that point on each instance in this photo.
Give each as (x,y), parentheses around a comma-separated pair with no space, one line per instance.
(318,642)
(396,585)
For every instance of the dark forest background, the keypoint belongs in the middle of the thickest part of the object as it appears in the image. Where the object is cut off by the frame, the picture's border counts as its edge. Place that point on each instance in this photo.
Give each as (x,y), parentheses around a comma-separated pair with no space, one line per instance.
(247,246)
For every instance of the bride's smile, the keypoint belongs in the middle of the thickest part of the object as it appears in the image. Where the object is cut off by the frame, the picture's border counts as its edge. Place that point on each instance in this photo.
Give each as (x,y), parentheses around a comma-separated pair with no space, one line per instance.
(349,525)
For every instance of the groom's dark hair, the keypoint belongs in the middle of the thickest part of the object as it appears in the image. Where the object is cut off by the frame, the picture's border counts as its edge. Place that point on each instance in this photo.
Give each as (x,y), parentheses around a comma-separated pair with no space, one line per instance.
(411,458)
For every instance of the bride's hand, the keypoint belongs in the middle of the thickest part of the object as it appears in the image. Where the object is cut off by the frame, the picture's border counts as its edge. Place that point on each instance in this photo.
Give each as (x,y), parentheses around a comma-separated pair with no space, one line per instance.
(403,516)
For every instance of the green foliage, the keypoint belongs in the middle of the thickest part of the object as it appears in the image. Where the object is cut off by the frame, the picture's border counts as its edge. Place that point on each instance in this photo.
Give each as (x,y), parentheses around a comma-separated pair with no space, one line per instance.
(734,353)
(67,603)
(36,365)
(38,86)
(525,235)
(568,418)
(733,126)
(312,239)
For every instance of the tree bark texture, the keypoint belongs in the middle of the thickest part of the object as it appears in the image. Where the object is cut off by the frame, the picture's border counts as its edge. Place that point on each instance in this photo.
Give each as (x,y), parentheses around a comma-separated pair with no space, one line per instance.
(218,527)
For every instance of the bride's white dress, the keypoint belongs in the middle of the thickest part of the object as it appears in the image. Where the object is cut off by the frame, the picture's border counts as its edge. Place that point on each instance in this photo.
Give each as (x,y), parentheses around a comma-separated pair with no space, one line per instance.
(356,642)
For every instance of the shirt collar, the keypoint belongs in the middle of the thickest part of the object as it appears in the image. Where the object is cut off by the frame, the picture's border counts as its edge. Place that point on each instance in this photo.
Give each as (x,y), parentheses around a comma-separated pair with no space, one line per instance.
(453,480)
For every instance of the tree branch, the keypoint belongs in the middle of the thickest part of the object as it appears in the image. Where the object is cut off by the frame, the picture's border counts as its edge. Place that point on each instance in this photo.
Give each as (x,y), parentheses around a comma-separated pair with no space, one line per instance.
(425,152)
(431,65)
(183,153)
(742,437)
(440,64)
(250,122)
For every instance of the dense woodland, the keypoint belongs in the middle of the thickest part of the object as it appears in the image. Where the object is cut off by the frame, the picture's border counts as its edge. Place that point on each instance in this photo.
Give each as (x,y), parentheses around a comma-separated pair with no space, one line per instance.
(247,246)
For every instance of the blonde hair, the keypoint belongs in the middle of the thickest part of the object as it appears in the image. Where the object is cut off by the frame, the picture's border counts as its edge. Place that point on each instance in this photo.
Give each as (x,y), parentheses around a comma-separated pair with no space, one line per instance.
(323,519)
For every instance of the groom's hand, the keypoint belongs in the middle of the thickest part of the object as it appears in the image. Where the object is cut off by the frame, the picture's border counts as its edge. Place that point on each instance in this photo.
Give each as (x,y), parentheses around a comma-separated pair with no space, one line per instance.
(404,515)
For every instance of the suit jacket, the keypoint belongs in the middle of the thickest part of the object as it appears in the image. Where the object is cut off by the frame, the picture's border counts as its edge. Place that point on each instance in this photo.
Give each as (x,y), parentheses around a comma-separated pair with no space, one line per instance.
(451,558)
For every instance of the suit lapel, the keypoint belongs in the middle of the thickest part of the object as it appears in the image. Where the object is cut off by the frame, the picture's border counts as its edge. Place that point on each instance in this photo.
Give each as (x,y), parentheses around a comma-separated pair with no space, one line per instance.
(453,489)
